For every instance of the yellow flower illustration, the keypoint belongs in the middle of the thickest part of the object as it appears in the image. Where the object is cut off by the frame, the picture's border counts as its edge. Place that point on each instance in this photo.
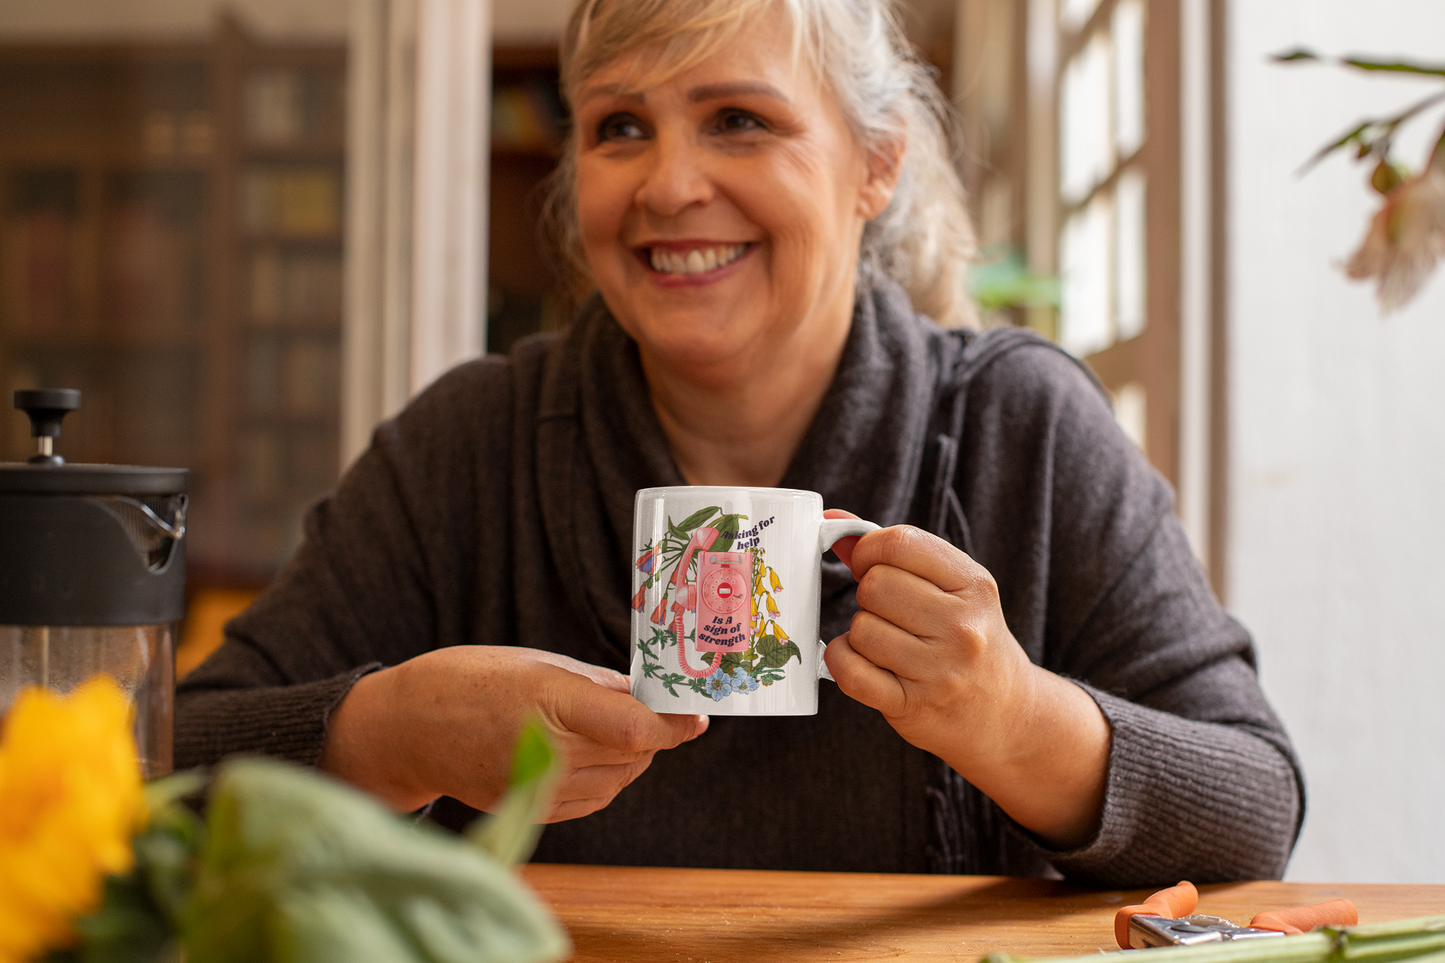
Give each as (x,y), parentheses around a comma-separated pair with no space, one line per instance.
(70,801)
(777,582)
(772,607)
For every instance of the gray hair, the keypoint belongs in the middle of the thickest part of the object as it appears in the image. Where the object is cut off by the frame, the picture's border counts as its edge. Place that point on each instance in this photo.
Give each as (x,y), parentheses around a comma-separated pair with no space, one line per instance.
(923,240)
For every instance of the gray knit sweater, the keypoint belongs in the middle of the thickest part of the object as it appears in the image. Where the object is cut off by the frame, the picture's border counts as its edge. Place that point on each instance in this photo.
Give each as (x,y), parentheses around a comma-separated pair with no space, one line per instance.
(496,509)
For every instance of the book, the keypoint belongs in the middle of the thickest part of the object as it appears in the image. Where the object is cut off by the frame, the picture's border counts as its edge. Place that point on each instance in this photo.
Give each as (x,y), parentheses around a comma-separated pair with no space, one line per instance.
(298,201)
(147,264)
(527,116)
(39,273)
(296,287)
(286,106)
(311,376)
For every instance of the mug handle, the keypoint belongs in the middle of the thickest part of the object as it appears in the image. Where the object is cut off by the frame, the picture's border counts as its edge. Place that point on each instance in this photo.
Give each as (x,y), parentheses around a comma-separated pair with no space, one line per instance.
(829,532)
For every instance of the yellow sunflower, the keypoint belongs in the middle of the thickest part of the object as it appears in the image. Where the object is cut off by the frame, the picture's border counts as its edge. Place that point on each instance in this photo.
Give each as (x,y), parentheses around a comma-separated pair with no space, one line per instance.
(70,801)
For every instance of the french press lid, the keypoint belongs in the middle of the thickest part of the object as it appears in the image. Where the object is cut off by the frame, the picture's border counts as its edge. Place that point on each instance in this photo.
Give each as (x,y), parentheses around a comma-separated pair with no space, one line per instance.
(87,544)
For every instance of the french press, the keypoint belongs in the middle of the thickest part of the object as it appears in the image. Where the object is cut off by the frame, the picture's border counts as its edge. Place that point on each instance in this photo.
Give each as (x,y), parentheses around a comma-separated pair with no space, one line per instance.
(92,575)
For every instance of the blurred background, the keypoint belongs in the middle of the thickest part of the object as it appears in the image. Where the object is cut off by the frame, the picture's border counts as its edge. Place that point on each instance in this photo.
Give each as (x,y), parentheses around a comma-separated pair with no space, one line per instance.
(248,230)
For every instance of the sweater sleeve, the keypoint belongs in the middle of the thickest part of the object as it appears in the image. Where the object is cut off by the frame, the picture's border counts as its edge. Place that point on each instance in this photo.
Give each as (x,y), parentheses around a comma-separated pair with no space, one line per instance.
(1202,781)
(384,573)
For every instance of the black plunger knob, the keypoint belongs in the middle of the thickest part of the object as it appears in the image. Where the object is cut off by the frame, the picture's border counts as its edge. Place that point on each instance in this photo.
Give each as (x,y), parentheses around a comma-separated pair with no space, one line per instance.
(47,408)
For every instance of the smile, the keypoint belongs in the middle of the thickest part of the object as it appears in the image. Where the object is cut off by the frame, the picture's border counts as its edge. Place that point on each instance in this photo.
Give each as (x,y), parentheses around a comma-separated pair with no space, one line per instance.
(694,260)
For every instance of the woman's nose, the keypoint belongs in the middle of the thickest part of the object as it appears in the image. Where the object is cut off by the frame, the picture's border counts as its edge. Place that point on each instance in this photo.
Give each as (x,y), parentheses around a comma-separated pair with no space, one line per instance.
(676,178)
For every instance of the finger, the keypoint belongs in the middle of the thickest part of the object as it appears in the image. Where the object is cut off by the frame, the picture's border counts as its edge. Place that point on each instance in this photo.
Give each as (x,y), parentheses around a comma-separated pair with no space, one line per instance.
(862,680)
(575,809)
(596,782)
(843,547)
(621,722)
(916,605)
(896,650)
(921,553)
(586,791)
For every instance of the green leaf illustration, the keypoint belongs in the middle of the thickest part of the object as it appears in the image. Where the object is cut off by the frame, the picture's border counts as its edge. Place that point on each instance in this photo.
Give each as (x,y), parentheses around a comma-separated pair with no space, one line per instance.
(697,518)
(773,654)
(731,661)
(727,532)
(670,680)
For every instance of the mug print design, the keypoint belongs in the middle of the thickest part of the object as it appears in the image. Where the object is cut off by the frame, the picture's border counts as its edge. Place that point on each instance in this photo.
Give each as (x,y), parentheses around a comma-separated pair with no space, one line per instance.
(718,613)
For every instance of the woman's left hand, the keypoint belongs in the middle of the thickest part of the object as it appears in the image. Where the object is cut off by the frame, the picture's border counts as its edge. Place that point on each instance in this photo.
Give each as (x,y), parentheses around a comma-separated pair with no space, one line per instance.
(929,648)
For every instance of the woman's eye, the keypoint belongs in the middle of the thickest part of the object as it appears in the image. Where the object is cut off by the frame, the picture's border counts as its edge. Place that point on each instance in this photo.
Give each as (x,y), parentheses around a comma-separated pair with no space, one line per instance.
(737,121)
(619,127)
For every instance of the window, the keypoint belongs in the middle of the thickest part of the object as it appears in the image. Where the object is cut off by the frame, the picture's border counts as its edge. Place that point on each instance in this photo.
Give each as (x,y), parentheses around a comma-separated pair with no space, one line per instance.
(1072,161)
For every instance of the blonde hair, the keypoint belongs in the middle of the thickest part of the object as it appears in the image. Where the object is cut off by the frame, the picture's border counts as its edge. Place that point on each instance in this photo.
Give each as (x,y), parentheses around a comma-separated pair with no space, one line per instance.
(923,240)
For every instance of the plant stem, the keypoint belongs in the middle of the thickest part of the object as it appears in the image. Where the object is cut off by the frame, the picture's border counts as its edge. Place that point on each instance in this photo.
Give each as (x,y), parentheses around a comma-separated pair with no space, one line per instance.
(1419,940)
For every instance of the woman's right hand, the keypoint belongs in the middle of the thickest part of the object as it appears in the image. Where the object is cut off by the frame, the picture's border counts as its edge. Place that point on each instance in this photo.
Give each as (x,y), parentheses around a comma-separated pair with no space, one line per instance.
(445,724)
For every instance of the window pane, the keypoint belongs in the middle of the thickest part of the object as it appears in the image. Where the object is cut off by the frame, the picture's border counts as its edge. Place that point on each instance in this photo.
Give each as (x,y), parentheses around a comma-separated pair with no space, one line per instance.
(1073,14)
(1085,323)
(1128,36)
(1130,412)
(1086,142)
(1129,255)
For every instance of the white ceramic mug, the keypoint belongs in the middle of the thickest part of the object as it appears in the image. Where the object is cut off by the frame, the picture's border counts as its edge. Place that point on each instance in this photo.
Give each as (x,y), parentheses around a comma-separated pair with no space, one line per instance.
(725,604)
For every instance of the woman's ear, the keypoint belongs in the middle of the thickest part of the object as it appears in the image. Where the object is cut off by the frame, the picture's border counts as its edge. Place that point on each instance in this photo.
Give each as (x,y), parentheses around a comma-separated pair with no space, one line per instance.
(885,164)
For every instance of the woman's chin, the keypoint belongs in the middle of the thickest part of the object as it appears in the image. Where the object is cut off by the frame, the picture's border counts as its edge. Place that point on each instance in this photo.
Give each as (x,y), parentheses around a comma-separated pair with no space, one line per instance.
(699,346)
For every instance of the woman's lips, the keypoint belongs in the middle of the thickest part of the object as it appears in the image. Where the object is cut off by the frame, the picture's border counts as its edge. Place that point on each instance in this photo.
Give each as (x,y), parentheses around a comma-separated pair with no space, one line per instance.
(689,261)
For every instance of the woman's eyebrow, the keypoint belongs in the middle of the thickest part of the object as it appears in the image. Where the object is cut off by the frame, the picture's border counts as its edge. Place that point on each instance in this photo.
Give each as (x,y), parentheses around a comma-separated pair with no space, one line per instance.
(734,89)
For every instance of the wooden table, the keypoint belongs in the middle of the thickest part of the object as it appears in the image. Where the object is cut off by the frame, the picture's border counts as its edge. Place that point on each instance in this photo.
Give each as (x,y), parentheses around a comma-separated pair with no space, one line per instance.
(627,914)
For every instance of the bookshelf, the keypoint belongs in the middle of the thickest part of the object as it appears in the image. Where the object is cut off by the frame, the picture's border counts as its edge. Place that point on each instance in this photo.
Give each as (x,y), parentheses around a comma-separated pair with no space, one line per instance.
(170,243)
(528,125)
(280,295)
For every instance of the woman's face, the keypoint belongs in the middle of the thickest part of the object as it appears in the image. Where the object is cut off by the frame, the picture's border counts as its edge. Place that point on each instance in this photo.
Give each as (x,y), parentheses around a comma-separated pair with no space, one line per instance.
(721,210)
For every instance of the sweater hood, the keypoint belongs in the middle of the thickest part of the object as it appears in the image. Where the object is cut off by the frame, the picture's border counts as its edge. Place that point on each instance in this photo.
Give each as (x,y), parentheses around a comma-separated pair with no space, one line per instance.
(600,441)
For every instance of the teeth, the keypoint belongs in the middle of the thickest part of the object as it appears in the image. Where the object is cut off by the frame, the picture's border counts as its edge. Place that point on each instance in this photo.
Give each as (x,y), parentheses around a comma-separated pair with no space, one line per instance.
(696,260)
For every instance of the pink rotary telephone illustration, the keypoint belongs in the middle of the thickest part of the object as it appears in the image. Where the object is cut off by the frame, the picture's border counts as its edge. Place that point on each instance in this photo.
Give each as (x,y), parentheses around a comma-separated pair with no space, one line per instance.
(722,598)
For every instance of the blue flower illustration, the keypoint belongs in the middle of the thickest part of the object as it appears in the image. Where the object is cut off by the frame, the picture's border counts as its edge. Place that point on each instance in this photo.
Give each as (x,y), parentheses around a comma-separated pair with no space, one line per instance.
(718,684)
(742,682)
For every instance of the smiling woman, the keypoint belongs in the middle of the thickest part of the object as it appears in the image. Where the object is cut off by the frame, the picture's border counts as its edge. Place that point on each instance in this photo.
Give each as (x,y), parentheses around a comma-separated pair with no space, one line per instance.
(1032,675)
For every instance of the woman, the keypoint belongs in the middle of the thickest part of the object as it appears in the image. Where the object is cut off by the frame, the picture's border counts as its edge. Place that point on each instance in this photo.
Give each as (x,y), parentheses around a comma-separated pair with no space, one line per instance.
(1031,671)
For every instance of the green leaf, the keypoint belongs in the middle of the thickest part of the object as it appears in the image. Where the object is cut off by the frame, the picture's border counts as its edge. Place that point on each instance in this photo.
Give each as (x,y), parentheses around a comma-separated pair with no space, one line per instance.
(301,867)
(727,532)
(773,654)
(697,518)
(1362,63)
(128,927)
(732,661)
(510,834)
(670,680)
(173,788)
(1003,280)
(1299,53)
(1394,66)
